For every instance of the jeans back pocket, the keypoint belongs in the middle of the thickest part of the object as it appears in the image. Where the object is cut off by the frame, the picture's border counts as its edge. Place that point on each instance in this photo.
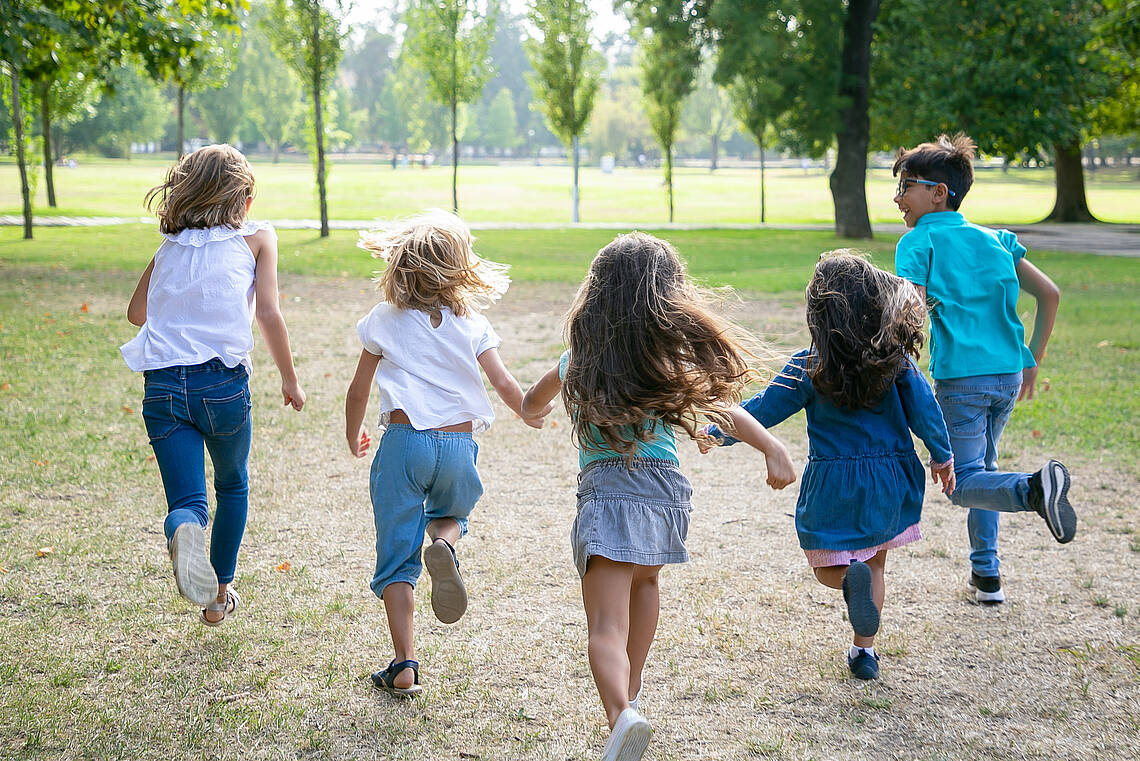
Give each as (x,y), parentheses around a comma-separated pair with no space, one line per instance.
(227,415)
(158,416)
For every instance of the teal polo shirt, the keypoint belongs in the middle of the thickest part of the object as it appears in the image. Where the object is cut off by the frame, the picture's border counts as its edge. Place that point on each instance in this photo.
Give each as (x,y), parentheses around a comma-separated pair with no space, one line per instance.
(970,276)
(663,445)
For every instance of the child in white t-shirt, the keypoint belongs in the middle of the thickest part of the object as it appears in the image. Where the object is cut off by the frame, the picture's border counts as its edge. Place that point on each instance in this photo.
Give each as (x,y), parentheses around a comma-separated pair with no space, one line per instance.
(424,345)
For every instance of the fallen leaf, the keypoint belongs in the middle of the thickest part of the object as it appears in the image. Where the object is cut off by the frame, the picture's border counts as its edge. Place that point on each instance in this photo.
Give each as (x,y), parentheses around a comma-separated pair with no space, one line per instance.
(285,567)
(84,307)
(1036,434)
(127,410)
(328,375)
(5,387)
(1103,344)
(1045,385)
(3,569)
(41,463)
(150,458)
(553,423)
(43,552)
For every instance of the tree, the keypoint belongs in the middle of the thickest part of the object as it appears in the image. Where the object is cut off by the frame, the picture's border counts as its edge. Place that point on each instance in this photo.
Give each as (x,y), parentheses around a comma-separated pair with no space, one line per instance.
(369,66)
(1037,74)
(273,95)
(500,129)
(709,111)
(671,56)
(566,72)
(309,36)
(449,40)
(134,110)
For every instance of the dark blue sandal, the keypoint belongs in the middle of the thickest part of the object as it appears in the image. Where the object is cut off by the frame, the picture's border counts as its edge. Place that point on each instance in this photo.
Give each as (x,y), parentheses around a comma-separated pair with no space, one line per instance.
(386,679)
(861,609)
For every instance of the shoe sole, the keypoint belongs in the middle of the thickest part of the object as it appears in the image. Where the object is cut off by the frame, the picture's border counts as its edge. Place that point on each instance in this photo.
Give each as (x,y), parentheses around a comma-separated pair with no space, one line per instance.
(193,574)
(861,609)
(448,594)
(988,598)
(632,744)
(1059,514)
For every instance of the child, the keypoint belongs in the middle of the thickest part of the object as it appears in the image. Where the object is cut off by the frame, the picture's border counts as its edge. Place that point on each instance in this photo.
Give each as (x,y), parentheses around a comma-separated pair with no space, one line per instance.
(194,303)
(424,345)
(645,355)
(970,277)
(862,489)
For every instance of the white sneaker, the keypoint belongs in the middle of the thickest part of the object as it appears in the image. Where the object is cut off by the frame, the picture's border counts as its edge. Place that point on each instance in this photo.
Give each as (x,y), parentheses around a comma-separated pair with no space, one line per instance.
(635,704)
(629,738)
(193,574)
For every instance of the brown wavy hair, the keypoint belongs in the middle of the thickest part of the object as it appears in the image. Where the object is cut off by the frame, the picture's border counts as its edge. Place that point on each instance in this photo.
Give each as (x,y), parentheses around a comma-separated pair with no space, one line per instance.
(645,348)
(206,188)
(432,263)
(864,324)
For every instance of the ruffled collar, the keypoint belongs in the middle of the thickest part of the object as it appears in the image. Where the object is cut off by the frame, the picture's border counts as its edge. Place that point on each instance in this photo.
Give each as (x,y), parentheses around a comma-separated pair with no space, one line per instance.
(200,236)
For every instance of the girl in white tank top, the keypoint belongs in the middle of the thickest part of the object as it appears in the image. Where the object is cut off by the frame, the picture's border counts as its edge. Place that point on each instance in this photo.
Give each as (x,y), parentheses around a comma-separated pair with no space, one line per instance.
(214,272)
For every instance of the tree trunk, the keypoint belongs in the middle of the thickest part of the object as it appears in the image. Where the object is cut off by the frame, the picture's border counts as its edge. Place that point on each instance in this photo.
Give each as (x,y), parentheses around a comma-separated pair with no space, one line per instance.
(849,180)
(276,148)
(1071,204)
(45,126)
(669,177)
(715,151)
(763,205)
(18,120)
(454,154)
(181,133)
(319,126)
(574,150)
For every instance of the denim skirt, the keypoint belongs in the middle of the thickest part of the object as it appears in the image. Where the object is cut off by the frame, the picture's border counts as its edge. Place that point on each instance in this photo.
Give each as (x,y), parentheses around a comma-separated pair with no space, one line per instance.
(637,514)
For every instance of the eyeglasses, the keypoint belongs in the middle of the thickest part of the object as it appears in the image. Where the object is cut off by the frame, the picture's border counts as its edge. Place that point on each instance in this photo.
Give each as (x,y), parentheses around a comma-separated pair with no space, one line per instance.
(903,181)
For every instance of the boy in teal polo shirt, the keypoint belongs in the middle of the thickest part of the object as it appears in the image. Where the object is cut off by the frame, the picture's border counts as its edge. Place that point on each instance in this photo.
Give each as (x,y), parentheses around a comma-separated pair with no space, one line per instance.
(971,277)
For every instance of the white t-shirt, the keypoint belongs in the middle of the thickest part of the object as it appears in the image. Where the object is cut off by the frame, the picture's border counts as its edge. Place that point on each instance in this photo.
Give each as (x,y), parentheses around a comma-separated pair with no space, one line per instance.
(200,301)
(431,373)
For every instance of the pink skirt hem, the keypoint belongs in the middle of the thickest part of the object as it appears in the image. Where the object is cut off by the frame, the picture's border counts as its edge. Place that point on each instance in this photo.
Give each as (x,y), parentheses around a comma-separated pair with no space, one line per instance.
(824,558)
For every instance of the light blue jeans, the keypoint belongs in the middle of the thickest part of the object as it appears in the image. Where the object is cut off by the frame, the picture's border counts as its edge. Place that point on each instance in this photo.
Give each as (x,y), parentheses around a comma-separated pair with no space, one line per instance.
(976,410)
(417,477)
(184,408)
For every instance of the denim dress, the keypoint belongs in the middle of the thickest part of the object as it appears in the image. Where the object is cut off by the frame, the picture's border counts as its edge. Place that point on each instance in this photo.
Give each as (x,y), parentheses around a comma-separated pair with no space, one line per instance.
(863,484)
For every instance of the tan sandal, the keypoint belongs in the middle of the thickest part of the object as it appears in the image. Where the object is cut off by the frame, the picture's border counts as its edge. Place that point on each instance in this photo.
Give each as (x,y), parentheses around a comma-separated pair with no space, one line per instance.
(232,603)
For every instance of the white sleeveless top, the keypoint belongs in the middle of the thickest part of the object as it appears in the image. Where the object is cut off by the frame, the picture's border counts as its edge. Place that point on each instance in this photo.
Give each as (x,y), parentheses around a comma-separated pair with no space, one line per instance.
(432,374)
(200,302)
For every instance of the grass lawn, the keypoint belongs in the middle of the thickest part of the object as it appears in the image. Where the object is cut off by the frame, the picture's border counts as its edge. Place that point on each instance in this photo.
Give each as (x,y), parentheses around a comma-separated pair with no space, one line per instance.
(101,659)
(525,193)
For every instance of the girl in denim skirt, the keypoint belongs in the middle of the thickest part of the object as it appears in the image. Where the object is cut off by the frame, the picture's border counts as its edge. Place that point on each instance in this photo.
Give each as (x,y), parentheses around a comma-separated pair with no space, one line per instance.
(861,493)
(645,356)
(424,346)
(194,304)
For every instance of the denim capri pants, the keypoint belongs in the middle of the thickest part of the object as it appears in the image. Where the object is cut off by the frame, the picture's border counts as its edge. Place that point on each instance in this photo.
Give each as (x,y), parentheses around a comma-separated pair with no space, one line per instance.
(418,476)
(637,514)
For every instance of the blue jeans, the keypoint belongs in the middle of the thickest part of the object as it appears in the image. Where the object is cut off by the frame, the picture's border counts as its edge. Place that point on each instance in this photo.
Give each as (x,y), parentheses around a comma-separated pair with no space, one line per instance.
(976,410)
(184,408)
(417,477)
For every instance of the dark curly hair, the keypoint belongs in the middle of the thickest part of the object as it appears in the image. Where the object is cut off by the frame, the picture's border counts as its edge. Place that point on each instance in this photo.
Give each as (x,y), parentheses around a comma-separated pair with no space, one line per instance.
(948,160)
(645,348)
(864,323)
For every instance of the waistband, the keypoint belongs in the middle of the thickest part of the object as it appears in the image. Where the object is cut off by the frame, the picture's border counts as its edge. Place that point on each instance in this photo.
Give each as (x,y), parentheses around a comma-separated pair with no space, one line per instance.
(209,366)
(980,382)
(428,432)
(638,463)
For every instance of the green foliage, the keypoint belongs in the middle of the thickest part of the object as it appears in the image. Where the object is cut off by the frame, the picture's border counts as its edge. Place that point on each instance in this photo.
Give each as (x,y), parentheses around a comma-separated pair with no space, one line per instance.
(449,41)
(273,95)
(708,111)
(371,64)
(499,127)
(1118,38)
(308,35)
(133,111)
(567,69)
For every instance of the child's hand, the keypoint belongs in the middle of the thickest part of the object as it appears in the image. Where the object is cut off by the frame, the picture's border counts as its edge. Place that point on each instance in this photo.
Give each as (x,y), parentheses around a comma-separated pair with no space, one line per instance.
(293,394)
(359,445)
(944,472)
(1028,383)
(781,472)
(539,420)
(707,444)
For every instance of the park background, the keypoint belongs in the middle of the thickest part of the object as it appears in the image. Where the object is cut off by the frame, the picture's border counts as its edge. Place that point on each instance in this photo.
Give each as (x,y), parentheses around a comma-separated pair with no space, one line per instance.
(102,659)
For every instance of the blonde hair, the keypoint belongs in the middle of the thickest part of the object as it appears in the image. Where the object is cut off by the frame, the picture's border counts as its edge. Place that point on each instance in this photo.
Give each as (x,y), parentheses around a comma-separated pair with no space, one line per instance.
(431,263)
(206,188)
(645,347)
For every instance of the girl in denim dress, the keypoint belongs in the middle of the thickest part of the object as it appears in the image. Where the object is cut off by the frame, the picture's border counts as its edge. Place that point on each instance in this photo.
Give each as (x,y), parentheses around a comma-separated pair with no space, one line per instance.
(861,493)
(426,347)
(645,356)
(194,303)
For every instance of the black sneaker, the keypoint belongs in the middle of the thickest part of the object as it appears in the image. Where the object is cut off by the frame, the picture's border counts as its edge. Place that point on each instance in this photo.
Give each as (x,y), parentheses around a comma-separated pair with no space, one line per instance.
(861,609)
(865,665)
(1049,498)
(987,589)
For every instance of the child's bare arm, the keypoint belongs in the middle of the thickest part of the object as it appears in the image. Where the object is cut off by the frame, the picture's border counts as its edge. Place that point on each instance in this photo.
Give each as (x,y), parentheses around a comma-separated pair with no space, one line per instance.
(508,388)
(781,472)
(136,310)
(356,403)
(269,318)
(1048,296)
(541,395)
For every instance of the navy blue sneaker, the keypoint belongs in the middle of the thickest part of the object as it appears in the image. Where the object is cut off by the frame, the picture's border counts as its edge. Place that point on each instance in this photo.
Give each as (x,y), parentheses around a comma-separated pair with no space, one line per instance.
(865,665)
(1049,498)
(861,609)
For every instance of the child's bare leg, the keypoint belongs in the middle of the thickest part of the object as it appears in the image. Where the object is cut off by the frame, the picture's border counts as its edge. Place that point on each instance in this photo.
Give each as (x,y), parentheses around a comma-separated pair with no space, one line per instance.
(832,576)
(444,528)
(606,598)
(400,605)
(644,607)
(217,615)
